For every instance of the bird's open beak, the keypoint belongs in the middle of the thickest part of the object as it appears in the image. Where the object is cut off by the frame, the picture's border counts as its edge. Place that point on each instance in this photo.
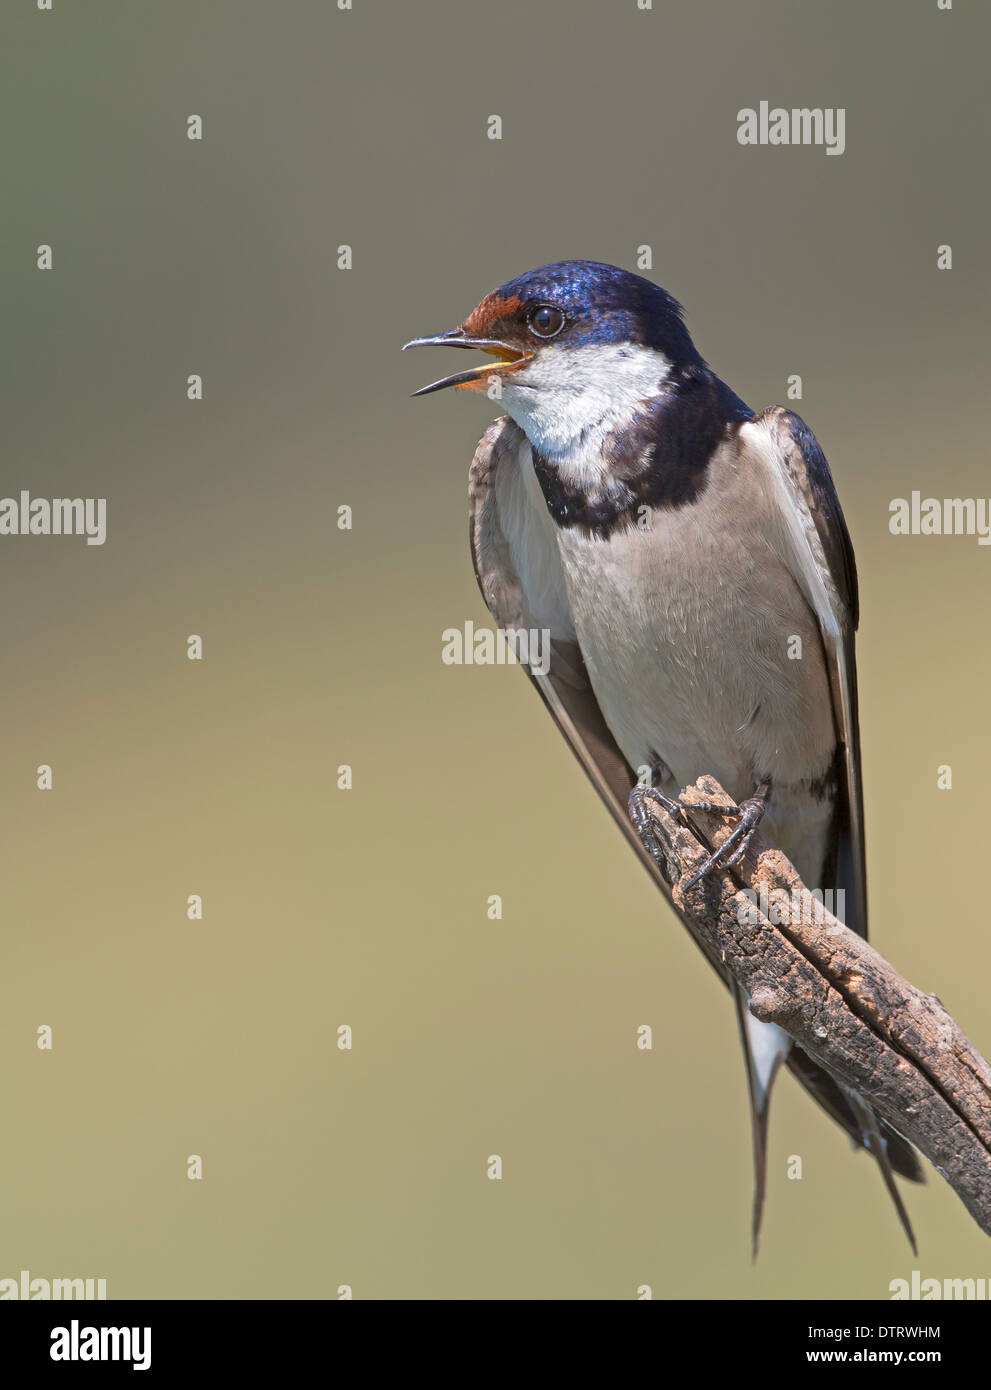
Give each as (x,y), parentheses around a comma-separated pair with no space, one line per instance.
(509,359)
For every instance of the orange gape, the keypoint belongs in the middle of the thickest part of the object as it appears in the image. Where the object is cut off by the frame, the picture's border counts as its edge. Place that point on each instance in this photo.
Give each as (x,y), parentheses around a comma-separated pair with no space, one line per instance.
(479,324)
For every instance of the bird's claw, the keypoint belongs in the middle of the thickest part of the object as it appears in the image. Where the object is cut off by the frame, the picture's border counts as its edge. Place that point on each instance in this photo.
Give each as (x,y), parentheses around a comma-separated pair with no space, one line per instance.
(734,847)
(644,821)
(750,812)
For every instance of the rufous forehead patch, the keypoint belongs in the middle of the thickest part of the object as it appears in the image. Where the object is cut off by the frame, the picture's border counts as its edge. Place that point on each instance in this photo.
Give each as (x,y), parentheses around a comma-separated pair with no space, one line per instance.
(492,308)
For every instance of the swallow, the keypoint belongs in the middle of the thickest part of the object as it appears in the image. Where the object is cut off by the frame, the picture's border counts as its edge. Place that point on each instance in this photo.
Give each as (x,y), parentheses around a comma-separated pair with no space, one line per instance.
(692,565)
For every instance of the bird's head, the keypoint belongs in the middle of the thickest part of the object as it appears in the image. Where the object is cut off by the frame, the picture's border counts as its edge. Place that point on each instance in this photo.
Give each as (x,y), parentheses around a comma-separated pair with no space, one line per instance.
(577,343)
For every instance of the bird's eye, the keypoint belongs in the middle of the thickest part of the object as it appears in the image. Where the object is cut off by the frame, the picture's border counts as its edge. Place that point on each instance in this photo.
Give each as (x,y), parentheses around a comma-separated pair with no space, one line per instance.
(545,320)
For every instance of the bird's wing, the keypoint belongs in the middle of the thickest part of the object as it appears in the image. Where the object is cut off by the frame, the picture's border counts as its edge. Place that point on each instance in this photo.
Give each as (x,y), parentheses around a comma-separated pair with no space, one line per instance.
(519,572)
(806,524)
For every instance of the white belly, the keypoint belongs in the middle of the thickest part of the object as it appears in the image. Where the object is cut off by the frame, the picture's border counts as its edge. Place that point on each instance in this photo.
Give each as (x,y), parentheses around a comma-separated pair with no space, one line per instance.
(690,642)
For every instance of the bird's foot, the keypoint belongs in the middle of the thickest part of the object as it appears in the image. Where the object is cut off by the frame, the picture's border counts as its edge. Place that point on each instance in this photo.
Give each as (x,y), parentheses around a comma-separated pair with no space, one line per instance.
(750,812)
(644,822)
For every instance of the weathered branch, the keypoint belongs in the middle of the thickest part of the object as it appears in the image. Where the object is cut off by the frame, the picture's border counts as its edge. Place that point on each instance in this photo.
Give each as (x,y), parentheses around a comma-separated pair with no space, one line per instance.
(846,1006)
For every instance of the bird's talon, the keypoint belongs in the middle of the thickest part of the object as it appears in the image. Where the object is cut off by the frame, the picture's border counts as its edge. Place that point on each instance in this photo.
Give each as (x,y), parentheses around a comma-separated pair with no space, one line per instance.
(730,810)
(644,821)
(735,846)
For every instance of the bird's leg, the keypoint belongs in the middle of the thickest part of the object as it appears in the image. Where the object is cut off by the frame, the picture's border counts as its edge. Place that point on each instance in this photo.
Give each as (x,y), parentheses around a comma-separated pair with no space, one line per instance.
(731,810)
(661,773)
(751,813)
(644,821)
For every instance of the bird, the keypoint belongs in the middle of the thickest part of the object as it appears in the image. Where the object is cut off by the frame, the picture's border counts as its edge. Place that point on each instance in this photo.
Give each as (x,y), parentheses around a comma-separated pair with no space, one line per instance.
(680,549)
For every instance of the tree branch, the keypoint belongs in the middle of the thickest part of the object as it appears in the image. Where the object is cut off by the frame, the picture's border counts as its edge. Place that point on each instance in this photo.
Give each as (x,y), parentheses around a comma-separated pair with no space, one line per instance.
(842,1002)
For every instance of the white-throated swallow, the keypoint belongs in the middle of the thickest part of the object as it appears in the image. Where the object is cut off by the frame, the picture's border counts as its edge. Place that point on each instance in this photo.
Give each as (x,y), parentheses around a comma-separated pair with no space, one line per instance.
(682,551)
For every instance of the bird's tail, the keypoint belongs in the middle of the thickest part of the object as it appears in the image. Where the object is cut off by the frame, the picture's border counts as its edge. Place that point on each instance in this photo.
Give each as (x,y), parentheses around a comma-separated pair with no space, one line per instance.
(765,1047)
(876,1144)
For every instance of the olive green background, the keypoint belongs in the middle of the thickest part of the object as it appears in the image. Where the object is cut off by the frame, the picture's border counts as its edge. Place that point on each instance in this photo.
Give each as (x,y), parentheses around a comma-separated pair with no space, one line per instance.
(368,908)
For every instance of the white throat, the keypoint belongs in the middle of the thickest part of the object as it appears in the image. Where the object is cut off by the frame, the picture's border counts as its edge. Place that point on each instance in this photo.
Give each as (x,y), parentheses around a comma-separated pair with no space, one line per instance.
(569,399)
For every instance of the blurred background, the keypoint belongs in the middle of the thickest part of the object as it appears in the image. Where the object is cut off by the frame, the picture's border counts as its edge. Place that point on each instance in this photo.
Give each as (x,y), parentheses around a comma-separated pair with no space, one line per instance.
(368,907)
